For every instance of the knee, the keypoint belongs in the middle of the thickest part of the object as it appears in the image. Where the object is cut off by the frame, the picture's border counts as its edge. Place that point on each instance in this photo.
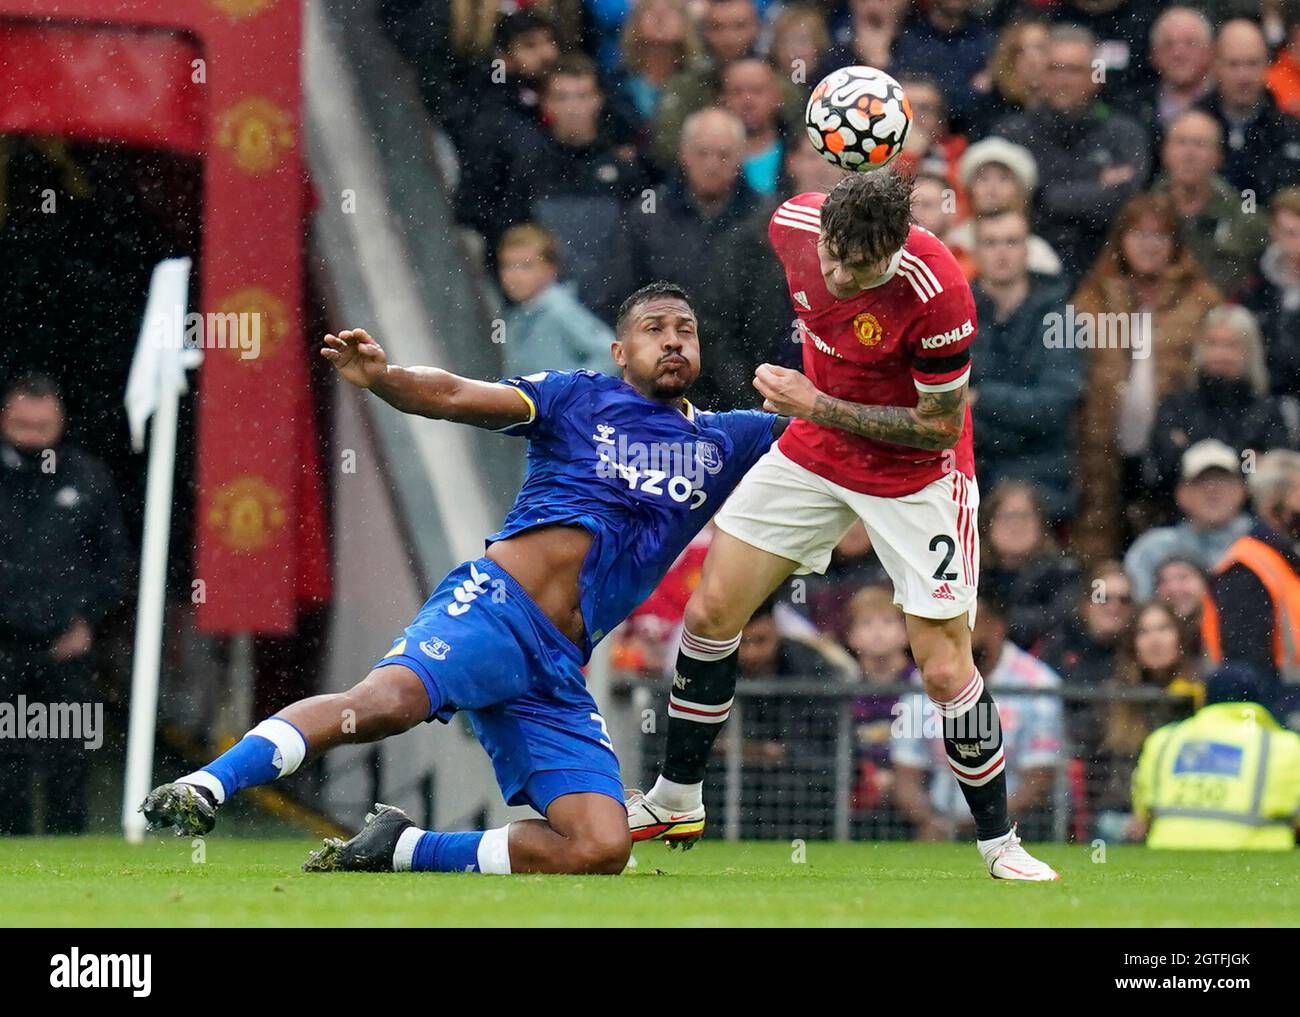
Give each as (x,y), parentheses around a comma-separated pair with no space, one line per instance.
(602,851)
(944,675)
(709,614)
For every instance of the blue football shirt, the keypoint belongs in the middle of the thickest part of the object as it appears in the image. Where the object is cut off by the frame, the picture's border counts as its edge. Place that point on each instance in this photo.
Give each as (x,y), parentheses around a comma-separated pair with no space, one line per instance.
(641,477)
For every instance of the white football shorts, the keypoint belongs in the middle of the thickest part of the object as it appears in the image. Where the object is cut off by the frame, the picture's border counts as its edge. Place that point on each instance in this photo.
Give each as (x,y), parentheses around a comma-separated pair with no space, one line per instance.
(928,541)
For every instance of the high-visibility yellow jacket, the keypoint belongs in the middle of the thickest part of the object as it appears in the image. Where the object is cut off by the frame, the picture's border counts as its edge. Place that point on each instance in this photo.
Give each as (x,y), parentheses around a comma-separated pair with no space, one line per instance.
(1225,778)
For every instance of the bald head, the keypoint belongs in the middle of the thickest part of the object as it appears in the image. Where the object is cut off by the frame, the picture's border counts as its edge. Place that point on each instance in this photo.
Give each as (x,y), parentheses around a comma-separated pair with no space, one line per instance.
(712,146)
(1182,47)
(1240,65)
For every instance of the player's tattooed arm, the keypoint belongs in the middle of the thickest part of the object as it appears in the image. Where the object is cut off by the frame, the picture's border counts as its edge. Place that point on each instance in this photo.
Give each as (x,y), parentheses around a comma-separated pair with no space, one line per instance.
(423,391)
(934,423)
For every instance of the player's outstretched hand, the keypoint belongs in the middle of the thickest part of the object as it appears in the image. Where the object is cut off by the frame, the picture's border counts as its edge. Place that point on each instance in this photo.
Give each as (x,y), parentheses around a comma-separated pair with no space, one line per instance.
(784,391)
(357,356)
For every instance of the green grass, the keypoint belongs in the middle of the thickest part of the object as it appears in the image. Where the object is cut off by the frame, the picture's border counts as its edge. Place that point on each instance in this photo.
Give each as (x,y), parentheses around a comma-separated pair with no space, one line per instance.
(98,881)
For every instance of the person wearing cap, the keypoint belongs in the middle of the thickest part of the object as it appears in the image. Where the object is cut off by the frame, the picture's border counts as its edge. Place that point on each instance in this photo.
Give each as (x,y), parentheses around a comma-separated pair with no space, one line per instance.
(1210,495)
(998,175)
(1225,779)
(1252,612)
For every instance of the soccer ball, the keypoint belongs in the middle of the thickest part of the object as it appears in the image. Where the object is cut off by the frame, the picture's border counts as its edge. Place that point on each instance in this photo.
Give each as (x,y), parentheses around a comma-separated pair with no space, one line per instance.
(858,118)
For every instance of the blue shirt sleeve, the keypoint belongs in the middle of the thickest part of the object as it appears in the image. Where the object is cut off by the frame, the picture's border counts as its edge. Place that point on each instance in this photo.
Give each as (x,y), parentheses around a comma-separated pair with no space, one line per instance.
(750,432)
(547,393)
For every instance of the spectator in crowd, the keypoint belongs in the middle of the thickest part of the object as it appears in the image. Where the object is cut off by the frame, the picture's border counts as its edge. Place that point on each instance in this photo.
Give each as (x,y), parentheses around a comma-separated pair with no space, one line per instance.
(768,652)
(806,170)
(1019,385)
(930,146)
(1031,731)
(1182,54)
(1210,495)
(1274,294)
(877,637)
(1263,143)
(998,176)
(799,39)
(450,44)
(868,39)
(934,203)
(1090,158)
(1021,565)
(730,29)
(572,180)
(1182,585)
(1224,238)
(1083,648)
(1015,77)
(546,329)
(1253,613)
(1226,779)
(63,566)
(706,206)
(658,42)
(1155,654)
(1228,399)
(1122,29)
(1146,281)
(525,50)
(751,90)
(508,112)
(944,40)
(1284,76)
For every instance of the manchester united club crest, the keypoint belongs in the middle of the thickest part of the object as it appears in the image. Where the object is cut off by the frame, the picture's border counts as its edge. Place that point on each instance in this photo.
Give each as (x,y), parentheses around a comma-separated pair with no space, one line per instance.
(867,329)
(257,133)
(247,514)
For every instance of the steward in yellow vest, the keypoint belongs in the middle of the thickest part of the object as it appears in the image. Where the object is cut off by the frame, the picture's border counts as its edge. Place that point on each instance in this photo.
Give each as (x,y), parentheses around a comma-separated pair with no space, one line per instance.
(1227,778)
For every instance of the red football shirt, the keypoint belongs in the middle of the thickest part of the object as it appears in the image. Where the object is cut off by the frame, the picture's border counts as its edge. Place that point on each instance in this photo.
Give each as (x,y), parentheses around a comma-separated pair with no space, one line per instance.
(905,334)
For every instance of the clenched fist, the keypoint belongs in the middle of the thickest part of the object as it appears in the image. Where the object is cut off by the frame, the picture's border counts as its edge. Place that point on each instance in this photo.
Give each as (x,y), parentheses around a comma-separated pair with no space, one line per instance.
(784,391)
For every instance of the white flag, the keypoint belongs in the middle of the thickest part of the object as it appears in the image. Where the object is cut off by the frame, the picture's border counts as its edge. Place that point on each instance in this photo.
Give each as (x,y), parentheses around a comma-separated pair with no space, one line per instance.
(160,360)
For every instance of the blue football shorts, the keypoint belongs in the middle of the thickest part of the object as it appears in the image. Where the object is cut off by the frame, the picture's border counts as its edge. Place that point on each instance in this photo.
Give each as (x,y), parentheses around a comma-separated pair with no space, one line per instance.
(480,644)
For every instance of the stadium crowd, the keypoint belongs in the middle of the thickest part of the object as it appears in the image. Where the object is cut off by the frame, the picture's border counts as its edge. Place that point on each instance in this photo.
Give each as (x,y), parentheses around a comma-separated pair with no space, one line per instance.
(1093,164)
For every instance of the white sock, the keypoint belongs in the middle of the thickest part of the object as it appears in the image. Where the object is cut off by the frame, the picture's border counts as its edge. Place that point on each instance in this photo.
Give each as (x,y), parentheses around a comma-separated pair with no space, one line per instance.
(678,797)
(205,780)
(494,852)
(405,849)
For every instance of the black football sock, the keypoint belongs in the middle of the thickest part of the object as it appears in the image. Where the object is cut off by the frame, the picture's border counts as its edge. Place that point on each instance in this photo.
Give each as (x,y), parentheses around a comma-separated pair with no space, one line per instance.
(972,736)
(704,684)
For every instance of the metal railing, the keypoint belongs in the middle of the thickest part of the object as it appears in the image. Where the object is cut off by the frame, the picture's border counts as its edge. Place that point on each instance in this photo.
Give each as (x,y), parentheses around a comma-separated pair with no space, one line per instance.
(803,758)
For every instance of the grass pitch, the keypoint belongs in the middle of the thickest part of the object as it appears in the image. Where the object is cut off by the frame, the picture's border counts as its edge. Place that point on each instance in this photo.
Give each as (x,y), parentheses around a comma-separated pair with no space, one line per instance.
(101,881)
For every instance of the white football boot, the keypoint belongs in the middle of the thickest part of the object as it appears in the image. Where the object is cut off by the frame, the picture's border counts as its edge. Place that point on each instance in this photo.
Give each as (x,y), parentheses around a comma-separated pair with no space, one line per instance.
(1006,859)
(676,828)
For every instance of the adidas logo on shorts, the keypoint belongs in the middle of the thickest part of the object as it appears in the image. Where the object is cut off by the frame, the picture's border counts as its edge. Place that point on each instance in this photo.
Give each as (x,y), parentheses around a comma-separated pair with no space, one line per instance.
(944,592)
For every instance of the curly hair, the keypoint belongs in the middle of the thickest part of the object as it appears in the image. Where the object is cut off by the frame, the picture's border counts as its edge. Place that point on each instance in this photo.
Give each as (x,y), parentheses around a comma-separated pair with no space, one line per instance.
(868,215)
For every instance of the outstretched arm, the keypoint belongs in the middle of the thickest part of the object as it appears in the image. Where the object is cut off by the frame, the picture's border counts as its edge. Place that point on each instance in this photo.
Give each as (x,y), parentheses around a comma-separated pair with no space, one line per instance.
(934,423)
(424,391)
